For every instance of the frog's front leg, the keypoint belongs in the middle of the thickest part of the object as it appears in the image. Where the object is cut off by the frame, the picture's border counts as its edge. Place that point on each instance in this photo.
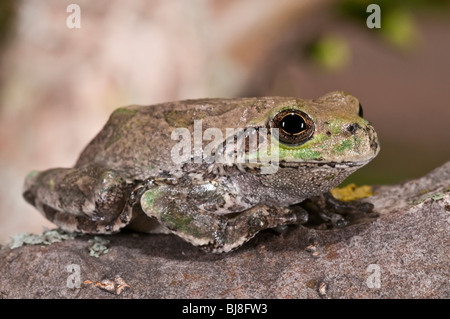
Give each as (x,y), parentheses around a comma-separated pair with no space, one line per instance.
(214,232)
(89,199)
(325,211)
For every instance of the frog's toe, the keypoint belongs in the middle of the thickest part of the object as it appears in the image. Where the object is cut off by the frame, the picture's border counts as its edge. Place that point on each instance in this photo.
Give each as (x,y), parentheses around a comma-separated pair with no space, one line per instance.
(301,215)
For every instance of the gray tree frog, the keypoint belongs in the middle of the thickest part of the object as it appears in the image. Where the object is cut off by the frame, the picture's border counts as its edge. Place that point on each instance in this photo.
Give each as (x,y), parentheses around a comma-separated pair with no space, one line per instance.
(126,177)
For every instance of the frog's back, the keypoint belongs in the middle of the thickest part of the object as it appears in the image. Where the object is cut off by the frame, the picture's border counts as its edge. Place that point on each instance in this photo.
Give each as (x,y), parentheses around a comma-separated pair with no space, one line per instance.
(137,139)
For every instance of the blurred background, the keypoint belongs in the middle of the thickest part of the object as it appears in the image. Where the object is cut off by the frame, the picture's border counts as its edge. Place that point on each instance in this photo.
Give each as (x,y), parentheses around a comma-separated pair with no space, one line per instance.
(58,85)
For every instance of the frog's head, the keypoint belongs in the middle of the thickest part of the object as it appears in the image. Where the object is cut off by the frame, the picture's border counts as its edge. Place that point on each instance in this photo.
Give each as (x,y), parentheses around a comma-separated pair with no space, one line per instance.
(330,129)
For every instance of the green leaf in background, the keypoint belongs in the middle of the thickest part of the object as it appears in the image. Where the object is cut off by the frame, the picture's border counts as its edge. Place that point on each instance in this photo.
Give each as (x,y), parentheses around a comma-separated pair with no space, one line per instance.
(399,28)
(331,52)
(398,23)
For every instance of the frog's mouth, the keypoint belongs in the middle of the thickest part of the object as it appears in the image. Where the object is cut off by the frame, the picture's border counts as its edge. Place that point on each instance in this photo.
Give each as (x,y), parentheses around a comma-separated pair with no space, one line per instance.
(284,164)
(353,166)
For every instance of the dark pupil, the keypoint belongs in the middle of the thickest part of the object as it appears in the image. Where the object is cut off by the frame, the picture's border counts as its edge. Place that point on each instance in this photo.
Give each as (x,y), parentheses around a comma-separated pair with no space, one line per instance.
(293,124)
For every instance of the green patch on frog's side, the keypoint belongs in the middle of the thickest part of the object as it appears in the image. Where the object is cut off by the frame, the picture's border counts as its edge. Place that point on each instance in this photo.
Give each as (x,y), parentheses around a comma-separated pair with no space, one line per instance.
(307,151)
(48,237)
(351,192)
(99,246)
(179,220)
(304,153)
(286,153)
(148,197)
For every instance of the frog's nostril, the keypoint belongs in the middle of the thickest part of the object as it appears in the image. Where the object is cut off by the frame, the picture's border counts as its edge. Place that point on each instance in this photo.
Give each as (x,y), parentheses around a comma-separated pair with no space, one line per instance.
(352,128)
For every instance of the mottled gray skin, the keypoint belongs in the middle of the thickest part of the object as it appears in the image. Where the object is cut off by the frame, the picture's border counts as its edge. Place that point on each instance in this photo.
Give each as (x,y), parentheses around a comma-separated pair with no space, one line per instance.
(126,176)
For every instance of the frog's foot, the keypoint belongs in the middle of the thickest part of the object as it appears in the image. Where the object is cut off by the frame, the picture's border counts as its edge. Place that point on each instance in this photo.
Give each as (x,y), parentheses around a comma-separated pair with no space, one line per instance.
(326,212)
(87,199)
(213,232)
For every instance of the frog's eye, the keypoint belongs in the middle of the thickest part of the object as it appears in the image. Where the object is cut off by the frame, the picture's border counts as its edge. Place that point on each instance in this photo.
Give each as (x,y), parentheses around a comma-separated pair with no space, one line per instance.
(294,127)
(360,110)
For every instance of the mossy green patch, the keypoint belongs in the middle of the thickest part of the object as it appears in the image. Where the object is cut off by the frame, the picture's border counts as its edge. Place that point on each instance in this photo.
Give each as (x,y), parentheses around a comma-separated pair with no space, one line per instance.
(300,153)
(148,198)
(124,111)
(173,216)
(307,151)
(344,145)
(336,125)
(179,118)
(179,221)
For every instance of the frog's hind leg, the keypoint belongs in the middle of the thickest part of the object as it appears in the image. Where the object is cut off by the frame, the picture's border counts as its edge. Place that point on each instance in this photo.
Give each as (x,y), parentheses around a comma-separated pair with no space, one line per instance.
(213,232)
(89,199)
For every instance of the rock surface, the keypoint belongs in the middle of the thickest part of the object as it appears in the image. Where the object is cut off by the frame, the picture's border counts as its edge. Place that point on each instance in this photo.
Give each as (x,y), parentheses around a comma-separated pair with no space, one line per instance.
(405,253)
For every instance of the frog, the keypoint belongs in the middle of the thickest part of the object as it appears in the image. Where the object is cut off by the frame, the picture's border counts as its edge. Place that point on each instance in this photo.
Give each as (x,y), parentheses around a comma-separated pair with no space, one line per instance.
(127,177)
